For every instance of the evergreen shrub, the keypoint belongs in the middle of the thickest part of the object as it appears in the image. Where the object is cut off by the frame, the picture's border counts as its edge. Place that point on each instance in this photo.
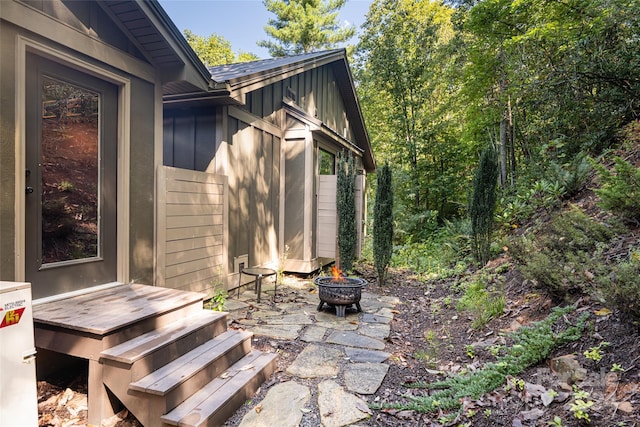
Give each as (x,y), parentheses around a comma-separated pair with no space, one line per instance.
(346,206)
(383,224)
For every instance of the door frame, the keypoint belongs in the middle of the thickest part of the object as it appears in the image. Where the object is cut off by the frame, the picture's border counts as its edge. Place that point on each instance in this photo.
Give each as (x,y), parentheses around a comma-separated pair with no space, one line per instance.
(25,45)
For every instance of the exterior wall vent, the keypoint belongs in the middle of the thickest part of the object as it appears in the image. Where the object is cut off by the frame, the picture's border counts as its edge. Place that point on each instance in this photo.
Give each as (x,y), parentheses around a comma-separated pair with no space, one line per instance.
(240,262)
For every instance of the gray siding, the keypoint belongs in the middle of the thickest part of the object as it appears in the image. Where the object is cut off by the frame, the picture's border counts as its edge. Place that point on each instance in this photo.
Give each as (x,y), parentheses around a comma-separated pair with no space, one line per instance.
(294,196)
(89,18)
(7,152)
(317,93)
(142,177)
(189,139)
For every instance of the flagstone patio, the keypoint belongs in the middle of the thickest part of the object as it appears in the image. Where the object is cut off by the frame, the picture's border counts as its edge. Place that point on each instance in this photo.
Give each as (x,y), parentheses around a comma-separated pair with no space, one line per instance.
(342,360)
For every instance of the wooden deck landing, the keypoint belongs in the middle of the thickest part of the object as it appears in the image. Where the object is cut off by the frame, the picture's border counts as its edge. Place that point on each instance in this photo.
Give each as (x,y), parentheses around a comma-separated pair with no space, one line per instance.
(136,334)
(108,310)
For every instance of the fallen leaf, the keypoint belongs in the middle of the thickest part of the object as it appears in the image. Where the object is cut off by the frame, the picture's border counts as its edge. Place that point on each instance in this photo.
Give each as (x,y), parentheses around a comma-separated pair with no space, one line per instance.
(405,415)
(245,367)
(361,406)
(224,375)
(531,415)
(305,410)
(548,397)
(603,312)
(395,311)
(625,407)
(66,396)
(258,408)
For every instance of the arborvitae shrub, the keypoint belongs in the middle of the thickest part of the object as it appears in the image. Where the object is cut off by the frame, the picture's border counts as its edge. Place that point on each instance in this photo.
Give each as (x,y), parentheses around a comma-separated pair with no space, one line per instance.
(383,224)
(483,203)
(346,205)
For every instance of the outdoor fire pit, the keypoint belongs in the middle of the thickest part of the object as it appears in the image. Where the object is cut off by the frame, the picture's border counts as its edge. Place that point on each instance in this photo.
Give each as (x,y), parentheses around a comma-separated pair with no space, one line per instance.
(339,291)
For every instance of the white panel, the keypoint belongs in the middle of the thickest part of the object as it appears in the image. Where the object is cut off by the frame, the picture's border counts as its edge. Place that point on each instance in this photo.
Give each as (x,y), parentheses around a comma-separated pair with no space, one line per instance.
(327,216)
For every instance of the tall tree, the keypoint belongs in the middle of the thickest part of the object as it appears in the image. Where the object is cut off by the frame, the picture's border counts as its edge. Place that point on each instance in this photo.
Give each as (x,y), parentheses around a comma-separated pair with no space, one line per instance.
(303,26)
(215,50)
(568,67)
(408,85)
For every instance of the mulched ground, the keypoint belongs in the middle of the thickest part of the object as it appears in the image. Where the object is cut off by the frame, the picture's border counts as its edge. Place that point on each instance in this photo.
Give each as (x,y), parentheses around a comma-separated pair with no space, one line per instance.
(429,339)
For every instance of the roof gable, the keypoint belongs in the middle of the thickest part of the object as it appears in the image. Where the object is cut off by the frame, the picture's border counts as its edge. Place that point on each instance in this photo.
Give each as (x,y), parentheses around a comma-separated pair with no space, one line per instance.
(157,38)
(242,78)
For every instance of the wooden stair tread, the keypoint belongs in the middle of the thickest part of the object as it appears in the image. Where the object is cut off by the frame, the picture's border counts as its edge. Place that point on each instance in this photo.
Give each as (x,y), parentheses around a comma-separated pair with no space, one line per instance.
(101,312)
(197,409)
(130,351)
(168,377)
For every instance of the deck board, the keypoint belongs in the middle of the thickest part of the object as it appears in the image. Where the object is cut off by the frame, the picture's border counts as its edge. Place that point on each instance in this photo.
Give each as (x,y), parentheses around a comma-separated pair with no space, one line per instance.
(107,310)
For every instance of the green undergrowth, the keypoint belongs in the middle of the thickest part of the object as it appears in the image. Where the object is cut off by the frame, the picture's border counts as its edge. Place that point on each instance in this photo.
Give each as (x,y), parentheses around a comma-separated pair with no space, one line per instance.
(531,345)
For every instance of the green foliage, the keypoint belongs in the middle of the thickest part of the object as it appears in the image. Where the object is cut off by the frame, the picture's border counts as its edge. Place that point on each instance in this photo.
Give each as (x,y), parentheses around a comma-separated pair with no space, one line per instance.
(217,301)
(303,26)
(215,50)
(619,284)
(595,353)
(483,203)
(542,188)
(383,224)
(346,207)
(569,66)
(444,253)
(581,404)
(532,344)
(571,176)
(565,253)
(620,189)
(484,298)
(407,74)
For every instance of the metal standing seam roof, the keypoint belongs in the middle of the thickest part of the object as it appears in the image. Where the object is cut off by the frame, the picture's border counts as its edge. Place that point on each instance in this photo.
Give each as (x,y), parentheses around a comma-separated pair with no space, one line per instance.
(242,70)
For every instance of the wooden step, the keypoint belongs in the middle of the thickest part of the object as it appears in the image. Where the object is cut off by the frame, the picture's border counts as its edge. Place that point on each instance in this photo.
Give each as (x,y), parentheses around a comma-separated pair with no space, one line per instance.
(218,400)
(155,349)
(189,373)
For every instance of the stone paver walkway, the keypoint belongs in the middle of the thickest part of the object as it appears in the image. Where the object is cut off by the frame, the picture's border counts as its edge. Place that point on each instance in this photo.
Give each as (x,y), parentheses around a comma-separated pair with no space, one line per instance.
(342,361)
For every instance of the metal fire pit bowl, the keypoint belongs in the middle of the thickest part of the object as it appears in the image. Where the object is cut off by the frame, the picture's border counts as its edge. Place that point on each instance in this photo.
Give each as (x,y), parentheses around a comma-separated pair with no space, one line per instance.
(341,294)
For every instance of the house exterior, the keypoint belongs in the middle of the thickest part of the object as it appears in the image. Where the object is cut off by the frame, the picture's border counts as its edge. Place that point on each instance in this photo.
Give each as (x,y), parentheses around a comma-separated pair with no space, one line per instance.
(81,125)
(124,160)
(274,127)
(127,168)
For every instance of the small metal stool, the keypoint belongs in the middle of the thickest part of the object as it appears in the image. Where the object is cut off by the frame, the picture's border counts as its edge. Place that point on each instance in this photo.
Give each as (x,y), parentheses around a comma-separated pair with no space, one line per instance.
(258,273)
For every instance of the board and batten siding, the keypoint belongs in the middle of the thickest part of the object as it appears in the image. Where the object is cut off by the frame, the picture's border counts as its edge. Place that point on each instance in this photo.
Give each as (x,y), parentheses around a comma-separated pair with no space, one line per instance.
(316,92)
(192,230)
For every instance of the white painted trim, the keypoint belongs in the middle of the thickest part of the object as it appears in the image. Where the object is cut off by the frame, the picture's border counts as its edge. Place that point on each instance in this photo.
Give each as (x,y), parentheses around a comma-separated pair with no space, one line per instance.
(24,45)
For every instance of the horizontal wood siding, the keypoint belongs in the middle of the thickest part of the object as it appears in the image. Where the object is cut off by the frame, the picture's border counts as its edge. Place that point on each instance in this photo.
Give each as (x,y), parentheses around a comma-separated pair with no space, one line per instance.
(192,230)
(327,216)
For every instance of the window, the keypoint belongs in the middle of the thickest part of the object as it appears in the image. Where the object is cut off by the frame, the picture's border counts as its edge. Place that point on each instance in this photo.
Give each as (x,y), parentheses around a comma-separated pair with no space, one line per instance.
(327,162)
